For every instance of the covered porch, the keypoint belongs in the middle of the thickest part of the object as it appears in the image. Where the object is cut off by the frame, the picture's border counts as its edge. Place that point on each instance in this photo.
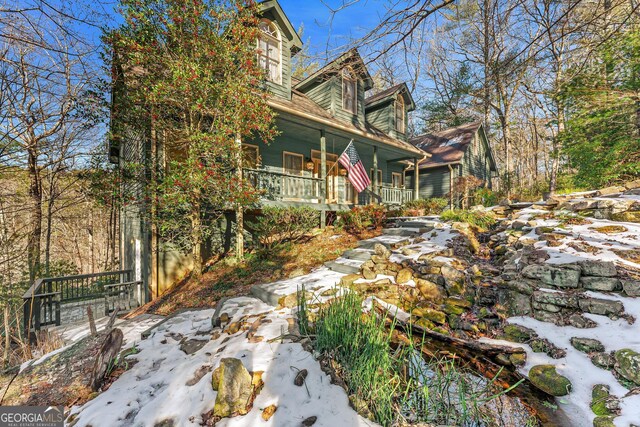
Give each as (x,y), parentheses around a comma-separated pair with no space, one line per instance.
(301,167)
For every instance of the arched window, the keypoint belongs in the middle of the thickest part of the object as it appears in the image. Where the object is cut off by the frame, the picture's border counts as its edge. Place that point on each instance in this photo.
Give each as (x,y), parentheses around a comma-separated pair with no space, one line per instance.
(270,50)
(349,91)
(400,114)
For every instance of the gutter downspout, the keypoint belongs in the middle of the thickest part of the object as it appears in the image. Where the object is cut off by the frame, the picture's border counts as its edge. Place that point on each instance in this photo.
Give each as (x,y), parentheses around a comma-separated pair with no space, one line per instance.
(450,186)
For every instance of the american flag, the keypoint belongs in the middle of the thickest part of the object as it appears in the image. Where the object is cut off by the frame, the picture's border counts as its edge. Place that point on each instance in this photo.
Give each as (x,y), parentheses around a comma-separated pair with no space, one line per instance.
(357,174)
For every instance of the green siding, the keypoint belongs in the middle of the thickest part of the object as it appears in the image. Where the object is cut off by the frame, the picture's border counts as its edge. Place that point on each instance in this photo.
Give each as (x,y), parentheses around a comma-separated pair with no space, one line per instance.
(434,182)
(383,116)
(476,161)
(321,94)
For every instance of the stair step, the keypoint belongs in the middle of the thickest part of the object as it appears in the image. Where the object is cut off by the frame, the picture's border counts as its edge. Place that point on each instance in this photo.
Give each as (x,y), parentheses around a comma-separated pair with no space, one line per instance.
(358,254)
(429,225)
(408,232)
(342,268)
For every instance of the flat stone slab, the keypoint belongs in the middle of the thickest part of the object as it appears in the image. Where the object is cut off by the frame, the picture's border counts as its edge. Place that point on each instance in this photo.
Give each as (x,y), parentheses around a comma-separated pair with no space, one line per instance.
(316,281)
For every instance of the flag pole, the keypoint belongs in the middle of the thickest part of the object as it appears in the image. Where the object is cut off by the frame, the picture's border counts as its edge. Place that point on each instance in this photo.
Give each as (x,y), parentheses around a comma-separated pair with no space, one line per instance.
(336,162)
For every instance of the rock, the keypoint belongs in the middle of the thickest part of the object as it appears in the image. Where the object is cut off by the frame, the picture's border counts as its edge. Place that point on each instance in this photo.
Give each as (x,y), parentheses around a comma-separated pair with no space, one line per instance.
(543,345)
(348,280)
(430,314)
(602,403)
(404,276)
(587,345)
(603,422)
(234,386)
(428,290)
(454,280)
(190,346)
(555,298)
(545,378)
(268,412)
(297,273)
(608,191)
(603,360)
(598,268)
(369,274)
(517,333)
(518,359)
(577,320)
(561,277)
(600,306)
(628,364)
(381,250)
(605,284)
(610,229)
(300,377)
(631,288)
(632,185)
(308,422)
(628,216)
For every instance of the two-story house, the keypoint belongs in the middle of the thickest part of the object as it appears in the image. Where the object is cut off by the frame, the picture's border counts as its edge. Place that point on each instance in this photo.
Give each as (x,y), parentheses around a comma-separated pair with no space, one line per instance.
(317,118)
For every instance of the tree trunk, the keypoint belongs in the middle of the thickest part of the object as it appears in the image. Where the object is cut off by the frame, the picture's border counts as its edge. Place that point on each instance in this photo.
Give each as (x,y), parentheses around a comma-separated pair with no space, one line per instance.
(35,193)
(239,209)
(196,240)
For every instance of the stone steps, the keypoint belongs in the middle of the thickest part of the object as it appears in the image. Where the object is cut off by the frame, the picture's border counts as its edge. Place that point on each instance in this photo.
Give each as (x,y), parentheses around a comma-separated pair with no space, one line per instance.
(342,267)
(358,254)
(404,232)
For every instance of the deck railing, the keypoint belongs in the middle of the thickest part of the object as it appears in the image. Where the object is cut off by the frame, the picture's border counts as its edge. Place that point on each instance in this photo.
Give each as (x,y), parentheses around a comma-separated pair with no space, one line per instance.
(43,301)
(282,186)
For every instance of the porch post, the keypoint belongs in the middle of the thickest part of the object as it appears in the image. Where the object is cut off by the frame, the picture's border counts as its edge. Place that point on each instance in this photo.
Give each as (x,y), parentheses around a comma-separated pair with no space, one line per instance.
(323,176)
(374,181)
(416,179)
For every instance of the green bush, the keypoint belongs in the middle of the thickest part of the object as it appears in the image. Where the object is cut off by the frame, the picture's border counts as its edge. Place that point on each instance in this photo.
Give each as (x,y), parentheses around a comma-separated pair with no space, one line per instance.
(420,207)
(485,197)
(277,225)
(361,218)
(482,220)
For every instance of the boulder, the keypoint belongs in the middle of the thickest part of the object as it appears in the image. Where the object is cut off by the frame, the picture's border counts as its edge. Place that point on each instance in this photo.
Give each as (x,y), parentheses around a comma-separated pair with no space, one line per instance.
(609,191)
(555,298)
(369,274)
(631,287)
(234,386)
(454,280)
(404,276)
(632,185)
(587,345)
(605,284)
(598,268)
(603,360)
(545,378)
(348,280)
(603,422)
(382,251)
(430,314)
(628,364)
(577,320)
(427,289)
(604,307)
(560,277)
(602,403)
(517,333)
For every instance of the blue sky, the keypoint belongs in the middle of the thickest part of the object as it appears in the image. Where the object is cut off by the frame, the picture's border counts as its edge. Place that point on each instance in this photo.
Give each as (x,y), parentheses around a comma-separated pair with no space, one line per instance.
(353,21)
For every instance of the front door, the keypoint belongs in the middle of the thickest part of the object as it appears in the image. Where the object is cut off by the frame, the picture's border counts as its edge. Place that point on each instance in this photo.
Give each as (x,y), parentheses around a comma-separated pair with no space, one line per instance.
(331,180)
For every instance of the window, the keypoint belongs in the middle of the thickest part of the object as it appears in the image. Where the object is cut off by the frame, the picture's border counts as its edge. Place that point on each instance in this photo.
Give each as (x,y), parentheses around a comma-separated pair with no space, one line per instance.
(270,51)
(400,125)
(292,163)
(250,156)
(396,180)
(349,91)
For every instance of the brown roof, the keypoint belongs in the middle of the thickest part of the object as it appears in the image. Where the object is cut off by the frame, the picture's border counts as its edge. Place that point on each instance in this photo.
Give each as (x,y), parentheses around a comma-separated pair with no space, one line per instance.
(303,105)
(447,146)
(381,95)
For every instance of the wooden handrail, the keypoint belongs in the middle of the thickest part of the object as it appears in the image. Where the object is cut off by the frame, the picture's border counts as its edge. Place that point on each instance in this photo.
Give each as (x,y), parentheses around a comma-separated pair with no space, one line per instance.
(288,175)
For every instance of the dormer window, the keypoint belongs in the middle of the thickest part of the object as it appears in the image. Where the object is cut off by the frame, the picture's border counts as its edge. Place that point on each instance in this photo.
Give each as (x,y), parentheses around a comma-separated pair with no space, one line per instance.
(400,114)
(270,51)
(349,91)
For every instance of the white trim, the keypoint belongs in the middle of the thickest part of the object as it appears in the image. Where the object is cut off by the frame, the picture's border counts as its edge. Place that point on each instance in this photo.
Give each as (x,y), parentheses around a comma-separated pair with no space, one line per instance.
(352,79)
(277,38)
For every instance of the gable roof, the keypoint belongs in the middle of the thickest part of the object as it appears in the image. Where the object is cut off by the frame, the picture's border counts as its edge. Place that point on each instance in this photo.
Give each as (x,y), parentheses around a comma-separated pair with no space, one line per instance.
(284,23)
(450,145)
(390,94)
(302,106)
(351,57)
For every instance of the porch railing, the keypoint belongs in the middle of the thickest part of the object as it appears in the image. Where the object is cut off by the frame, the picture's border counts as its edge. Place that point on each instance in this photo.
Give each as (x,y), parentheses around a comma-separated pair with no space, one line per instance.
(46,297)
(282,186)
(394,196)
